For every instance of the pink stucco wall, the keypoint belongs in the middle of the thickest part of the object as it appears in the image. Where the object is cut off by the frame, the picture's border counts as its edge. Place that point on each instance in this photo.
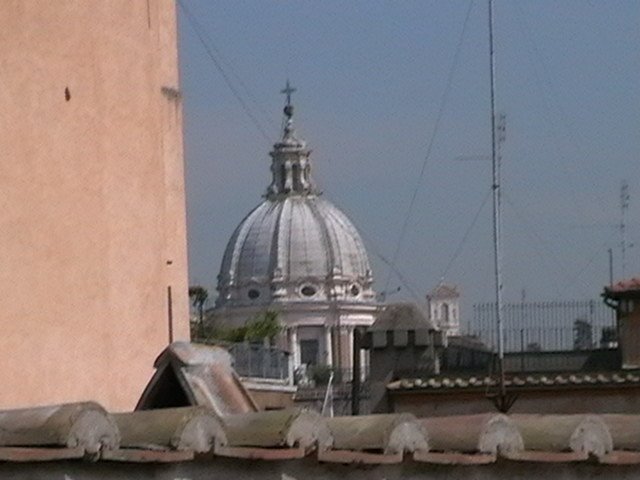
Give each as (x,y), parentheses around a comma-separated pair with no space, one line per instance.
(92,214)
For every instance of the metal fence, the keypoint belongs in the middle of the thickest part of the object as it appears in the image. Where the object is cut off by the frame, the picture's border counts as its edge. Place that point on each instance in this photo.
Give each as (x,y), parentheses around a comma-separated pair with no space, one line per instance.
(318,375)
(259,361)
(546,326)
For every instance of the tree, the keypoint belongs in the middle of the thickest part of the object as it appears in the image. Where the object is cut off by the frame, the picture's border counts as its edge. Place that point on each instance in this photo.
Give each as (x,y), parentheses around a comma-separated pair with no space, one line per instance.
(198,296)
(263,325)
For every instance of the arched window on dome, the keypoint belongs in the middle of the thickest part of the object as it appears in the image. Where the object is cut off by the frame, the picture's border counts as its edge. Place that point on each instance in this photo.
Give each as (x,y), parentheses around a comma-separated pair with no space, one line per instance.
(283,177)
(296,177)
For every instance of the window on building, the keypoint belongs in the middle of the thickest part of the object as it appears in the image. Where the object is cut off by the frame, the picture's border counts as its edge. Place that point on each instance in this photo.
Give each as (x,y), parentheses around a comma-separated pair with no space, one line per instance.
(445,312)
(309,350)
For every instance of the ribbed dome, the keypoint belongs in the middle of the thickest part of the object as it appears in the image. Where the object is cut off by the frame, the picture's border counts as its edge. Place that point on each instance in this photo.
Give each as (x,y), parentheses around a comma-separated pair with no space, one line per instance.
(295,246)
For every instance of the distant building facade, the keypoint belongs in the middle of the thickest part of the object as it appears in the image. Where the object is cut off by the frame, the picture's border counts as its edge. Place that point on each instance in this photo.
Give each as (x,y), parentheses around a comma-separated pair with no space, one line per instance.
(93,267)
(443,305)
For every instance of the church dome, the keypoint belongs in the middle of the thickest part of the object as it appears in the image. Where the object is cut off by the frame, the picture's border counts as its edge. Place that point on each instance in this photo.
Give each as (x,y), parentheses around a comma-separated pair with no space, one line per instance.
(295,246)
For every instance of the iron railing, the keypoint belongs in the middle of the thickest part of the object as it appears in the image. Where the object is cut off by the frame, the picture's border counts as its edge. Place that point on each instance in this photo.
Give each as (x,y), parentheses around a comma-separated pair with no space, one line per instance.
(318,375)
(256,360)
(546,326)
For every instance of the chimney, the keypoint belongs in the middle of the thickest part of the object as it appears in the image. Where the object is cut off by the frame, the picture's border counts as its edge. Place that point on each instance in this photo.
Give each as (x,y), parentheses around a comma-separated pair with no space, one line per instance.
(624,297)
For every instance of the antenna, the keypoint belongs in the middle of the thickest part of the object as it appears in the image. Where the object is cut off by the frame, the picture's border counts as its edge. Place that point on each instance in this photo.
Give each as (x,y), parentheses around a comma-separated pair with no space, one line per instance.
(624,207)
(502,400)
(495,167)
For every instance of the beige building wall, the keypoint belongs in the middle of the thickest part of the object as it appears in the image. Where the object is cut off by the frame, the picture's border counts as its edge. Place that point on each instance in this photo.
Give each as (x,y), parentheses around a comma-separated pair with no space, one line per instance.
(92,207)
(622,399)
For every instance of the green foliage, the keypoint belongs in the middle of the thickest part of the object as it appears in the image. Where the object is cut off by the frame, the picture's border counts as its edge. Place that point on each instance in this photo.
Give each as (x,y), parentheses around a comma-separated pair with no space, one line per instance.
(198,296)
(265,325)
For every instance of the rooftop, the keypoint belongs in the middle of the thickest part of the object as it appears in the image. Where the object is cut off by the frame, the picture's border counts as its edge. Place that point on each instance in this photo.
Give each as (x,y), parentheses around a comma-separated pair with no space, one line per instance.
(85,431)
(521,381)
(402,316)
(628,286)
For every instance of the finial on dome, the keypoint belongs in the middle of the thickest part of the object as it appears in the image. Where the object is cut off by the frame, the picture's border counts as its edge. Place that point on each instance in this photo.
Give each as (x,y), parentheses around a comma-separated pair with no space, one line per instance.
(288,108)
(288,133)
(288,90)
(290,167)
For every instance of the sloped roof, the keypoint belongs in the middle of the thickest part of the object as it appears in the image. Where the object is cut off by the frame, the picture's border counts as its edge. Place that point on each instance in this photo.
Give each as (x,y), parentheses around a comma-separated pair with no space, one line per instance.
(402,316)
(199,375)
(444,290)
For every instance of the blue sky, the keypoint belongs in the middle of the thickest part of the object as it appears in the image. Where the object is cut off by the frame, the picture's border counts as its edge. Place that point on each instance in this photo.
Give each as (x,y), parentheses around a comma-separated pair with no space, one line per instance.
(371,76)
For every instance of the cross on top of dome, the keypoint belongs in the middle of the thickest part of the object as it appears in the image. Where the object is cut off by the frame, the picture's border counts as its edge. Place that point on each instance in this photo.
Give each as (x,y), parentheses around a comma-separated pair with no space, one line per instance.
(288,135)
(291,168)
(288,90)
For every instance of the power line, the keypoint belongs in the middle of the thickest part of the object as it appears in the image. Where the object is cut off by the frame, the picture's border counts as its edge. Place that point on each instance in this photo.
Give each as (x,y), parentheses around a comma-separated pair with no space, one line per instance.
(372,247)
(443,102)
(200,33)
(596,254)
(465,237)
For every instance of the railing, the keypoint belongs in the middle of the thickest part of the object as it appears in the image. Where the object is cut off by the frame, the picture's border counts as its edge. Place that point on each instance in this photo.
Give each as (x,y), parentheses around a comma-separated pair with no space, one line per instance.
(260,361)
(546,326)
(550,339)
(315,376)
(256,360)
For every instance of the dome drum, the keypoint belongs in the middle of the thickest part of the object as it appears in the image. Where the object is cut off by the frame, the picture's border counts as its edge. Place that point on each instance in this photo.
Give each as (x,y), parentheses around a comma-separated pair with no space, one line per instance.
(305,290)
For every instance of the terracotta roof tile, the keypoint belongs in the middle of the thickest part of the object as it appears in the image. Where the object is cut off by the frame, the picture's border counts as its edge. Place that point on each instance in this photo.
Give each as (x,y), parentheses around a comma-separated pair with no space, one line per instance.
(188,428)
(453,458)
(386,433)
(587,434)
(256,453)
(350,456)
(146,456)
(485,433)
(621,458)
(516,381)
(623,286)
(85,425)
(30,454)
(276,429)
(189,434)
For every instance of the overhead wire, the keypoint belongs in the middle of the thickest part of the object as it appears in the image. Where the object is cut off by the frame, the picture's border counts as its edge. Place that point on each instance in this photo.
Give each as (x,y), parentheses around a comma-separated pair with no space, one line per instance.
(466,235)
(371,246)
(211,50)
(600,251)
(443,102)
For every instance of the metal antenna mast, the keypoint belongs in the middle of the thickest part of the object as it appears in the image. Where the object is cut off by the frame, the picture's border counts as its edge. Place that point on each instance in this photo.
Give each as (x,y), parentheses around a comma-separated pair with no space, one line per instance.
(624,207)
(497,130)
